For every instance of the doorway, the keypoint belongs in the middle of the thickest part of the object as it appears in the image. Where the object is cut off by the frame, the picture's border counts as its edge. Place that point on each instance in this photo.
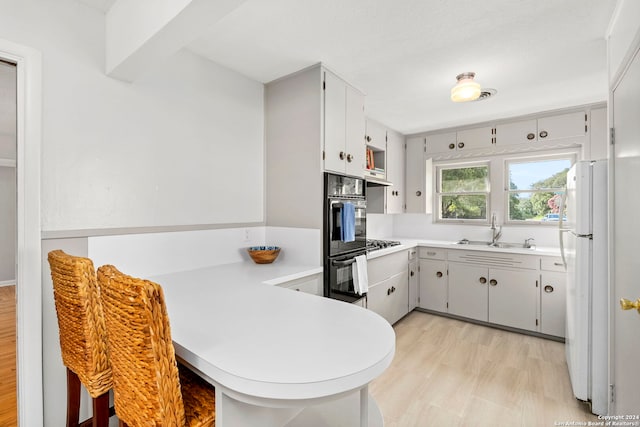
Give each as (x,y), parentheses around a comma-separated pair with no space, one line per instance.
(8,233)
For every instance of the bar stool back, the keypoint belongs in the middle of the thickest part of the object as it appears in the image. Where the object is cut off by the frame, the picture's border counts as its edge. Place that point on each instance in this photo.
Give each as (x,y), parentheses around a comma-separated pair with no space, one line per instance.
(149,387)
(82,335)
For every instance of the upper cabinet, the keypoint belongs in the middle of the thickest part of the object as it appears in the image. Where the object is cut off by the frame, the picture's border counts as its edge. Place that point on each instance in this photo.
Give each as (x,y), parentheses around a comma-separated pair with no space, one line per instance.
(551,128)
(440,143)
(517,132)
(385,161)
(469,139)
(376,150)
(314,122)
(344,127)
(418,177)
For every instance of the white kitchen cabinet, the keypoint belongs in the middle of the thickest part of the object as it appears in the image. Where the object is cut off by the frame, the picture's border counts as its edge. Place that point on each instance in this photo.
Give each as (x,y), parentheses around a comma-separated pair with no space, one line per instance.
(376,134)
(395,172)
(433,285)
(553,303)
(344,125)
(414,279)
(440,143)
(469,139)
(562,126)
(522,132)
(311,117)
(418,177)
(468,291)
(389,286)
(311,285)
(513,298)
(382,198)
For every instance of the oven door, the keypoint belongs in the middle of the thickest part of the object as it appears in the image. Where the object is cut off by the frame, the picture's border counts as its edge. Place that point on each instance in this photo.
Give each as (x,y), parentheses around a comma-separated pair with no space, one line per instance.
(336,244)
(339,277)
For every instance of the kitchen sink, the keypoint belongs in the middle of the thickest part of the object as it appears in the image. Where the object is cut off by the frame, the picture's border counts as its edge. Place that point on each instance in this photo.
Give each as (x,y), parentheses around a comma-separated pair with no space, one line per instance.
(501,245)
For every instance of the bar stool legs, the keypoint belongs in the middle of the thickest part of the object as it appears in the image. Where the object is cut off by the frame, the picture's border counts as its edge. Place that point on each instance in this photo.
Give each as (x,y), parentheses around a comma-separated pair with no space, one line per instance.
(101,410)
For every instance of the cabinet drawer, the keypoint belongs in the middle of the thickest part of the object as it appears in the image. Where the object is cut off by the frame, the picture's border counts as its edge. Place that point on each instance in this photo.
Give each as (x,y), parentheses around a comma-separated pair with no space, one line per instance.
(433,253)
(552,264)
(495,259)
(382,268)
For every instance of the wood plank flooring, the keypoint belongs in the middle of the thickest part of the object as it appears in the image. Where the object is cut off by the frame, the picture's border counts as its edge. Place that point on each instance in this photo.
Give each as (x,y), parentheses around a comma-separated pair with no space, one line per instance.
(8,406)
(452,373)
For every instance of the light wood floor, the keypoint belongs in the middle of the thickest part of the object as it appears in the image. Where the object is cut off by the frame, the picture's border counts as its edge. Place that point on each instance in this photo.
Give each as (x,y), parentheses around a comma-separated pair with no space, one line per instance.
(452,373)
(8,408)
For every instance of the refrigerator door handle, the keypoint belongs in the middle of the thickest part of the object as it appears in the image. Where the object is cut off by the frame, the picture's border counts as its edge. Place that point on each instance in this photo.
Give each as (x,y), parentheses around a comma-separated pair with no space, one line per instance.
(561,231)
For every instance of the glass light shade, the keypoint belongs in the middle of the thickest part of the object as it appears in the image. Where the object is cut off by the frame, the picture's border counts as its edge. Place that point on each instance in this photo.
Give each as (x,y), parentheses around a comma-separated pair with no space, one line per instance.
(465,90)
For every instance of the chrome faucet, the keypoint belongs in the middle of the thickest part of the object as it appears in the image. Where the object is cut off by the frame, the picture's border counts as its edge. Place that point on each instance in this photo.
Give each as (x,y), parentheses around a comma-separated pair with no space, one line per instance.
(528,244)
(496,230)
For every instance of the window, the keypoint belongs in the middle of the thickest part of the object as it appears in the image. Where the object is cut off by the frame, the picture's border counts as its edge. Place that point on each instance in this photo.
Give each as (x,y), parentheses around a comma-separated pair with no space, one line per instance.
(463,192)
(535,188)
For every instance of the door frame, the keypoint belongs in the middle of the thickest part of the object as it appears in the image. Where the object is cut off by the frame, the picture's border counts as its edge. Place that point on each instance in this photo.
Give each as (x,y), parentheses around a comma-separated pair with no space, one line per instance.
(28,252)
(618,75)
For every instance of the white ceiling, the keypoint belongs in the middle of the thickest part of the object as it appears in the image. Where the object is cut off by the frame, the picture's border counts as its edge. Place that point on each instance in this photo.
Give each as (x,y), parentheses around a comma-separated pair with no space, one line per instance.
(405,54)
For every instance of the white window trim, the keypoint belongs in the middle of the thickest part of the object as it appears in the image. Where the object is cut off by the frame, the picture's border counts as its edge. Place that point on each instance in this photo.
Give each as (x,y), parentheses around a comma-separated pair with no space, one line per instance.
(437,167)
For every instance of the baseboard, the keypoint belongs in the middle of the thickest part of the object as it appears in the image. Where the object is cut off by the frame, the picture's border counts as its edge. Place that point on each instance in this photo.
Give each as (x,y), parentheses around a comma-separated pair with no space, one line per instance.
(7,282)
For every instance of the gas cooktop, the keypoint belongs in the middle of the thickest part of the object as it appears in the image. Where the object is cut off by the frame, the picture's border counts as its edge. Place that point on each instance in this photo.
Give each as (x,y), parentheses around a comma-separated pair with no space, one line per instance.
(375,244)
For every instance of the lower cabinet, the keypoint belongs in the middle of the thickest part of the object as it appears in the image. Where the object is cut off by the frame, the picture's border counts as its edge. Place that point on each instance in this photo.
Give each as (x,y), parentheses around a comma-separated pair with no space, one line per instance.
(414,281)
(389,286)
(468,291)
(513,298)
(503,297)
(553,297)
(390,298)
(433,285)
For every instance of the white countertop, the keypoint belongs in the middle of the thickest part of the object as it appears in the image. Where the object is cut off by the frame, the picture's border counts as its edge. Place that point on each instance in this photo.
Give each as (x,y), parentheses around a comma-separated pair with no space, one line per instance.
(268,342)
(408,243)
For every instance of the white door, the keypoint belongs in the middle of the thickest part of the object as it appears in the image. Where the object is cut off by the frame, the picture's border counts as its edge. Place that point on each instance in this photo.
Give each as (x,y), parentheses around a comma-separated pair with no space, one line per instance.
(415,178)
(354,132)
(395,172)
(626,235)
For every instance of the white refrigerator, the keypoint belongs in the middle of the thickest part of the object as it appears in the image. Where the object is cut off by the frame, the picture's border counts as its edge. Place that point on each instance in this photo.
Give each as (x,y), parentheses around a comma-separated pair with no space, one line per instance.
(583,243)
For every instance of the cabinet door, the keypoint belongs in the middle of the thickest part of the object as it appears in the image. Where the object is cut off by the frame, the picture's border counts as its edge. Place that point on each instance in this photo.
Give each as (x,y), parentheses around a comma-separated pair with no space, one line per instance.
(334,123)
(523,132)
(414,284)
(474,138)
(376,135)
(415,174)
(553,303)
(513,298)
(390,298)
(354,133)
(562,126)
(468,291)
(441,143)
(433,285)
(399,297)
(395,172)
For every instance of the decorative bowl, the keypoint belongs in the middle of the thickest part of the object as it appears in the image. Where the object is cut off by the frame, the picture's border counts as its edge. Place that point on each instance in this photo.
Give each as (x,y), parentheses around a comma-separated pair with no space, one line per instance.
(263,254)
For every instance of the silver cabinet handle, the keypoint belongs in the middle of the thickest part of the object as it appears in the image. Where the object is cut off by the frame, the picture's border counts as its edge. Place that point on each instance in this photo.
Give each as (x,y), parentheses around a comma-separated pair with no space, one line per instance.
(493,282)
(548,289)
(418,193)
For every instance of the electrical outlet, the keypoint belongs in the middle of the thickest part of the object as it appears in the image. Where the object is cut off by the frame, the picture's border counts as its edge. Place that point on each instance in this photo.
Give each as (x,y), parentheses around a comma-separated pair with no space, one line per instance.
(246,235)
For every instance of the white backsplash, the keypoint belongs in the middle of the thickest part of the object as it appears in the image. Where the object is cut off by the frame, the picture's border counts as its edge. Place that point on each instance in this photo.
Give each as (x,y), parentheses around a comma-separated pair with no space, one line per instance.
(379,226)
(298,245)
(419,226)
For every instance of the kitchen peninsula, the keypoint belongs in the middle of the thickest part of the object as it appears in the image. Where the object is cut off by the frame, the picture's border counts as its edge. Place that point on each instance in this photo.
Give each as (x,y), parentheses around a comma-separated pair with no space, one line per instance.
(274,355)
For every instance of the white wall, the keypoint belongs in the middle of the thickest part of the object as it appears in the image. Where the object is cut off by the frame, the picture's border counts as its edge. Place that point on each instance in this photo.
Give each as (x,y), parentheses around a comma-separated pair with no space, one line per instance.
(182,145)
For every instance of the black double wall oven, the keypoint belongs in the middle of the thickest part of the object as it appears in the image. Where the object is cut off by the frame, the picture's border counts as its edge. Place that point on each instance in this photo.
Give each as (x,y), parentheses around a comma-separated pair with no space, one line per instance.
(344,234)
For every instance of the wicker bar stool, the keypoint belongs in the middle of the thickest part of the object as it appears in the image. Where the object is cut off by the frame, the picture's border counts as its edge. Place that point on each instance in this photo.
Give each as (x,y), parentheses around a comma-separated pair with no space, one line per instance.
(150,389)
(82,335)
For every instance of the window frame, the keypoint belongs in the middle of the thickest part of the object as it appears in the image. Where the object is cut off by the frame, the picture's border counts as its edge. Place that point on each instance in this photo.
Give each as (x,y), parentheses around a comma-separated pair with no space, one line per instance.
(572,156)
(437,204)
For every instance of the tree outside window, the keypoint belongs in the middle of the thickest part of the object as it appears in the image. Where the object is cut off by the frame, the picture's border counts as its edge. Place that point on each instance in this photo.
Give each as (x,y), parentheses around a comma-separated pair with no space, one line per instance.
(463,192)
(536,189)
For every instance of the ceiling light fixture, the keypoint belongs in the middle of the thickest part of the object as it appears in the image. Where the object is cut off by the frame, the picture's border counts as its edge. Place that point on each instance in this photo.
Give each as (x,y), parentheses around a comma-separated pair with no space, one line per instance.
(466,89)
